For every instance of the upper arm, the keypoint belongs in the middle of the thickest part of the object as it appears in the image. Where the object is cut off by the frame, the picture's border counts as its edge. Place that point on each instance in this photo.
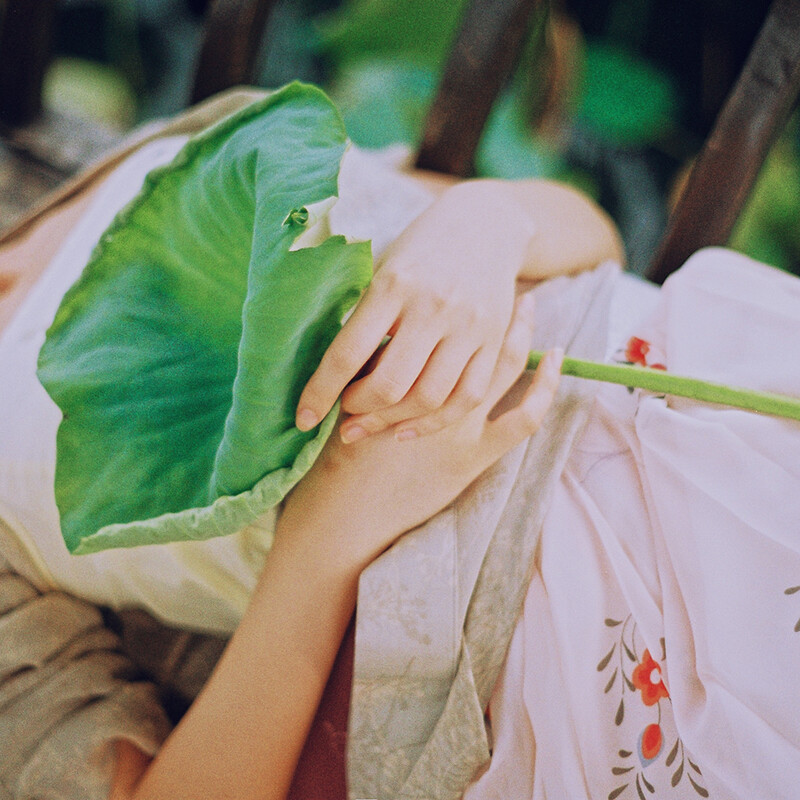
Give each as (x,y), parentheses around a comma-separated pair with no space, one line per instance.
(572,232)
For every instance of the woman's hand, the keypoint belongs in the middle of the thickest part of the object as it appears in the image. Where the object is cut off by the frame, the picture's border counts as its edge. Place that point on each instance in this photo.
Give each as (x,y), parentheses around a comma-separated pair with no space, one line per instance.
(444,293)
(368,493)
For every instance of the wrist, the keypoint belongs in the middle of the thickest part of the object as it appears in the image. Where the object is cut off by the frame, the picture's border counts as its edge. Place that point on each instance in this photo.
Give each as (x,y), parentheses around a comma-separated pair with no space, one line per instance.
(332,548)
(493,212)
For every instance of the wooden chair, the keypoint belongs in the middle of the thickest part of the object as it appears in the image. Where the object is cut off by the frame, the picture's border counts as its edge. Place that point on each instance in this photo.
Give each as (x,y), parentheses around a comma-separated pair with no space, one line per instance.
(726,168)
(37,153)
(745,129)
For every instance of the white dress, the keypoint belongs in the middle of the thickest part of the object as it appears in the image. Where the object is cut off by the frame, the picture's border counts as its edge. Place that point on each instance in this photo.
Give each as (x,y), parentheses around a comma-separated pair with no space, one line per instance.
(659,647)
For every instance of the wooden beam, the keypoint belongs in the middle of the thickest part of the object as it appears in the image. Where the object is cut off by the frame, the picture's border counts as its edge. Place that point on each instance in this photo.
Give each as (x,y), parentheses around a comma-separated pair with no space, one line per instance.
(232,36)
(727,167)
(485,52)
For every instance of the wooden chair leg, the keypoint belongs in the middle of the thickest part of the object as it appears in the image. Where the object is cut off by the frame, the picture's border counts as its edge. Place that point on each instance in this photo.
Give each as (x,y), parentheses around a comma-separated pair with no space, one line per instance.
(482,59)
(746,128)
(229,53)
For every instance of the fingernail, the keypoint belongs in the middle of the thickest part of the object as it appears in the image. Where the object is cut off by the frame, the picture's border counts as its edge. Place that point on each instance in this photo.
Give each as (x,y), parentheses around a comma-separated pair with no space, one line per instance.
(306,419)
(352,433)
(406,434)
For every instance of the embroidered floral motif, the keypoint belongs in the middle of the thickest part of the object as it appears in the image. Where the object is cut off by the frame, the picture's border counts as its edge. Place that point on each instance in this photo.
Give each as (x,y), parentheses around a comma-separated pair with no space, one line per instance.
(644,680)
(636,351)
(647,679)
(639,351)
(794,590)
(650,742)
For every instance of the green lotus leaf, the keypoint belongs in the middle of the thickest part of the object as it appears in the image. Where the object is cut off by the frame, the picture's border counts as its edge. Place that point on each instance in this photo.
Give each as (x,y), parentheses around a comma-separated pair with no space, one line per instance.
(179,355)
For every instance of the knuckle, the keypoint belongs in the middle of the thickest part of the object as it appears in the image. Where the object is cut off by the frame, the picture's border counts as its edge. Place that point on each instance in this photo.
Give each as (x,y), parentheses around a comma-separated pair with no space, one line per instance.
(373,423)
(534,411)
(343,360)
(517,348)
(438,302)
(511,355)
(386,390)
(531,420)
(393,282)
(551,382)
(469,397)
(429,398)
(430,425)
(477,317)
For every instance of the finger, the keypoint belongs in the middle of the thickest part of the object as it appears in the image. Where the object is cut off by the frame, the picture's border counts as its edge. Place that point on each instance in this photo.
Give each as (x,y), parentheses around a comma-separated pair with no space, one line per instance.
(398,368)
(352,347)
(487,377)
(513,356)
(522,421)
(450,359)
(468,393)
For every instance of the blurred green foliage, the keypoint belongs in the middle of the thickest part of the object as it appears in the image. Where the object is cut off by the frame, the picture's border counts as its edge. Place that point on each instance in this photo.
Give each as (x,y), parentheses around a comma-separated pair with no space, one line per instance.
(385,63)
(623,98)
(625,121)
(769,227)
(385,58)
(419,31)
(384,100)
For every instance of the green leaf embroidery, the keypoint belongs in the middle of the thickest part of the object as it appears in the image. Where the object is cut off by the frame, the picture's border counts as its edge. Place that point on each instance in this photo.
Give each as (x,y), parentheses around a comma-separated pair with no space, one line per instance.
(678,774)
(702,791)
(606,658)
(673,753)
(629,652)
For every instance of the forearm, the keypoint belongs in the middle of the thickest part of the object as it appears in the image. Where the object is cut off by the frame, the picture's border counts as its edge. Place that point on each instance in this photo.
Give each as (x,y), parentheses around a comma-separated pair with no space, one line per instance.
(572,232)
(535,228)
(244,733)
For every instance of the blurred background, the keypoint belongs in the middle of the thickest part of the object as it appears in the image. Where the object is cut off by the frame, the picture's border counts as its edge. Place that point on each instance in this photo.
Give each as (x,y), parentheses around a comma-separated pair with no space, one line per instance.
(629,91)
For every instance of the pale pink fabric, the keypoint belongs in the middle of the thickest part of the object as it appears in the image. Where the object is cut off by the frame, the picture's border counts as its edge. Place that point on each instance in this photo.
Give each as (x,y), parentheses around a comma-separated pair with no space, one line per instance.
(667,553)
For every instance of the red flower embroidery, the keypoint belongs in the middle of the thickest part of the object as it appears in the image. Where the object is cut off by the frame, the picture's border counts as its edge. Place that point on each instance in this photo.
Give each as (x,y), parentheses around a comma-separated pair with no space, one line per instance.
(651,741)
(647,678)
(637,350)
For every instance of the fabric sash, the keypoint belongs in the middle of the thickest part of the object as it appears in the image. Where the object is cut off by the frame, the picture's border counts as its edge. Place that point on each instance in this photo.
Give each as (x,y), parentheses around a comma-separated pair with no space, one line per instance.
(437,611)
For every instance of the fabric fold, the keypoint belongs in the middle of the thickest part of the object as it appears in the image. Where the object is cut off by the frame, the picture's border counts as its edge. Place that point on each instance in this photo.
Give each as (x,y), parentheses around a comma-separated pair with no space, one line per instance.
(67,694)
(482,548)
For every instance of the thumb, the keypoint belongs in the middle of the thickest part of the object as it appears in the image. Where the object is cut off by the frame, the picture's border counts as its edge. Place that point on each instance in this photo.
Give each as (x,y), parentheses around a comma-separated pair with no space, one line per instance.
(523,420)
